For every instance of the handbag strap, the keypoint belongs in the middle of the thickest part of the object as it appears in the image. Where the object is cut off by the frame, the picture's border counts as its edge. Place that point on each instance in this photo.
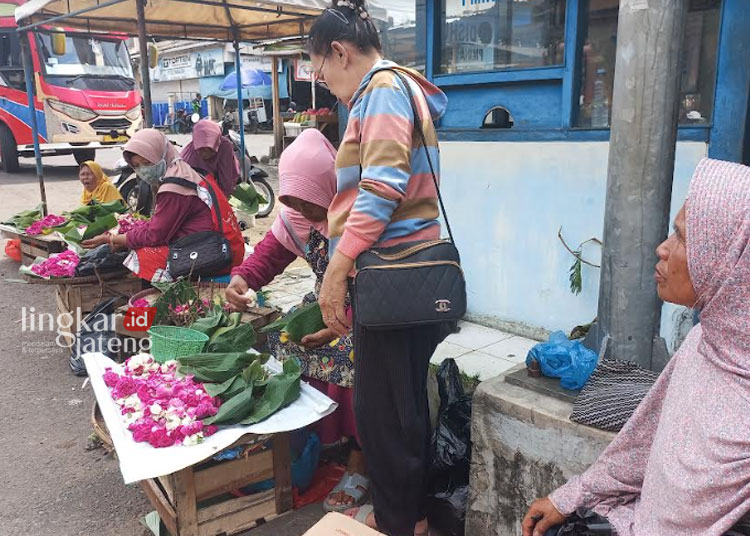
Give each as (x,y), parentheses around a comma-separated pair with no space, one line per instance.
(192,186)
(420,131)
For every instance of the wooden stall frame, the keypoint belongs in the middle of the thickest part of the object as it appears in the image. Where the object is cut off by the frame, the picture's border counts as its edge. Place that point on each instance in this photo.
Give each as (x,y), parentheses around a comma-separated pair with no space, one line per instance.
(176,497)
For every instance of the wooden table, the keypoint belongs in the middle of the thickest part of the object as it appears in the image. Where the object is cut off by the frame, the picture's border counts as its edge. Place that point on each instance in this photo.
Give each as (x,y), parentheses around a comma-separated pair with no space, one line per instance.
(33,246)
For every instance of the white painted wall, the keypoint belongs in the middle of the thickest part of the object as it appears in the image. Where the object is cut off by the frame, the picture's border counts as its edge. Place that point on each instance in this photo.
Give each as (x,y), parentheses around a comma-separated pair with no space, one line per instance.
(507,200)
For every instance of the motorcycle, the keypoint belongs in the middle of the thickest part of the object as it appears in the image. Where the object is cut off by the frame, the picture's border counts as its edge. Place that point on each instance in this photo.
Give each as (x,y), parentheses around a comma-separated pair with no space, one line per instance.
(184,123)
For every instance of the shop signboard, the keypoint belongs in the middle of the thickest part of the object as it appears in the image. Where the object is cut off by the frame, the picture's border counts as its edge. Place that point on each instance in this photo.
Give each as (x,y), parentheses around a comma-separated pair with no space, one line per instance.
(303,71)
(189,64)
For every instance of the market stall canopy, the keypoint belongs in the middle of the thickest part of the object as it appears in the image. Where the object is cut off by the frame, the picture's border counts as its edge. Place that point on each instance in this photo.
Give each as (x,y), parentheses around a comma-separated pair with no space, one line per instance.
(252,20)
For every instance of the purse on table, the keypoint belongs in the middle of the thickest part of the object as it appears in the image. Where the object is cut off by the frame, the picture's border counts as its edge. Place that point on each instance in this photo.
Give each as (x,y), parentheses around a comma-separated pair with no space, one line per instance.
(414,283)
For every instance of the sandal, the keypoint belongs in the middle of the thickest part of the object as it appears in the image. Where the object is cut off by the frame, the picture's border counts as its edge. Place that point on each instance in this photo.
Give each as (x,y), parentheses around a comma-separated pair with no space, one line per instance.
(362,513)
(352,485)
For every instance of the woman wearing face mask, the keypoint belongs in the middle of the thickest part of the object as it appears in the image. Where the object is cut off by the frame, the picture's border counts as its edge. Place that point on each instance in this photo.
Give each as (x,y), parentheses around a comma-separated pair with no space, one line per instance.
(180,210)
(211,152)
(681,464)
(96,185)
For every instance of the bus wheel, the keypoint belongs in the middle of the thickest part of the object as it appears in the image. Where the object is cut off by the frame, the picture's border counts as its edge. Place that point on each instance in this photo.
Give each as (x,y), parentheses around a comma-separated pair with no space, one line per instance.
(84,155)
(8,150)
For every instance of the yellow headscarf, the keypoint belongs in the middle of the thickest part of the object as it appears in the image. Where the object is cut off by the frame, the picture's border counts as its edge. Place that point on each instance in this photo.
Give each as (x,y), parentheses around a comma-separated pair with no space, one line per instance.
(105,191)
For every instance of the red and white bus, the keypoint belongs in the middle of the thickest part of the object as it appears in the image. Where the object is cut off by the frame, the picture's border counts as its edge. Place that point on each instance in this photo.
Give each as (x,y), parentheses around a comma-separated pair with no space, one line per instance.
(86,95)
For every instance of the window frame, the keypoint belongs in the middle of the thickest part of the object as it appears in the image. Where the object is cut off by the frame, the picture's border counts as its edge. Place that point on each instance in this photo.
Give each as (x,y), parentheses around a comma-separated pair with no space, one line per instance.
(568,74)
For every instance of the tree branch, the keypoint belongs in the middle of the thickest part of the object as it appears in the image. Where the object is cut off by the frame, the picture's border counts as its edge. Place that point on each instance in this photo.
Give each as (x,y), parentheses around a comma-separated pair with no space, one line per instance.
(575,254)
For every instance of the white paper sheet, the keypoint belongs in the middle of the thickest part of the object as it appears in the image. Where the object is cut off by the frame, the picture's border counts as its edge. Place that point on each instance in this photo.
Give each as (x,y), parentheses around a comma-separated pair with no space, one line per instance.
(139,461)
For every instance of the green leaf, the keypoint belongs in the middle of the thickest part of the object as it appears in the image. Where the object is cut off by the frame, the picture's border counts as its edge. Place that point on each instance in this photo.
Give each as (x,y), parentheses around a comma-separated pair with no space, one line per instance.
(100,225)
(208,324)
(228,361)
(245,198)
(576,276)
(235,409)
(300,322)
(215,389)
(232,339)
(281,390)
(236,387)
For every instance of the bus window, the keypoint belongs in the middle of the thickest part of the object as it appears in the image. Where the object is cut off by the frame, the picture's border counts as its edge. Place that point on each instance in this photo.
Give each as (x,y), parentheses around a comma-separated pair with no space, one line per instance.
(11,68)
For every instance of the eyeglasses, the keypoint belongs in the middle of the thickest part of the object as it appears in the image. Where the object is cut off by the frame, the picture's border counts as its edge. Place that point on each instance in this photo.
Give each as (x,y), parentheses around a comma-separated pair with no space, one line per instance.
(319,78)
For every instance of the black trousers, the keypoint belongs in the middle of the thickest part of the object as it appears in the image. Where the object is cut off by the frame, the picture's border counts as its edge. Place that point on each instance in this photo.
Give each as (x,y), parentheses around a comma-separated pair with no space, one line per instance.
(392,415)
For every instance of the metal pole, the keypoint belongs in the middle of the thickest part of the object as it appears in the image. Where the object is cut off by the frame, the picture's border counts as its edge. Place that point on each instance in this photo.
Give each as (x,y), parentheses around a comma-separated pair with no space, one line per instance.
(145,76)
(238,74)
(639,178)
(278,126)
(28,70)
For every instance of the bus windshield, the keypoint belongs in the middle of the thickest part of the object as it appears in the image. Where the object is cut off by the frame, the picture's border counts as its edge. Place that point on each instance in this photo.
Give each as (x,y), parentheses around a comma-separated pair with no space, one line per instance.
(86,58)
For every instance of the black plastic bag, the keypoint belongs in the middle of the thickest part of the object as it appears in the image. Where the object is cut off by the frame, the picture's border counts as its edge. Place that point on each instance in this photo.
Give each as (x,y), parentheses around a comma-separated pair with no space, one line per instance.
(101,259)
(448,476)
(94,335)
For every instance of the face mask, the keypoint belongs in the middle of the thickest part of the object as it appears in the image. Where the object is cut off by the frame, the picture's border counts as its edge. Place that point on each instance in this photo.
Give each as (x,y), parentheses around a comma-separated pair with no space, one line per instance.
(152,174)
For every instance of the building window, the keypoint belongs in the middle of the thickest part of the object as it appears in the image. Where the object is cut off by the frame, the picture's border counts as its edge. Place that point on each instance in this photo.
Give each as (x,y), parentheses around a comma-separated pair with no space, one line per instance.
(490,35)
(698,63)
(402,31)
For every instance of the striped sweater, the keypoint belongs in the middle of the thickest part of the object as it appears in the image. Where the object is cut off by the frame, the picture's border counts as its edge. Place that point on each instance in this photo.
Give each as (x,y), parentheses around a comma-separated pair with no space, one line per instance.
(393,199)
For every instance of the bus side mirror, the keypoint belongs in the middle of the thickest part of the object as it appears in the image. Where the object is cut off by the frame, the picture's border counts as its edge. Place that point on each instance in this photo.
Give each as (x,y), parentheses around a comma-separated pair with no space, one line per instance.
(58,44)
(153,56)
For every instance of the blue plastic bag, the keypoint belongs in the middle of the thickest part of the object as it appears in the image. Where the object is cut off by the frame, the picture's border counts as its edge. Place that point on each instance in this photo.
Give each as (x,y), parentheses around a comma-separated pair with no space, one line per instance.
(562,358)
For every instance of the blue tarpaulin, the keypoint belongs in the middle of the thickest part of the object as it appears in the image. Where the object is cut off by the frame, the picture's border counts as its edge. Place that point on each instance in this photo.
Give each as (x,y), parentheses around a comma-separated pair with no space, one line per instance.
(211,87)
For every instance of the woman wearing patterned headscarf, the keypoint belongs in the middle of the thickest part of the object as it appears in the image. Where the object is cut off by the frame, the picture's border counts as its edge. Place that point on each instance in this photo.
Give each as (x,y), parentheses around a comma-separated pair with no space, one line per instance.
(681,465)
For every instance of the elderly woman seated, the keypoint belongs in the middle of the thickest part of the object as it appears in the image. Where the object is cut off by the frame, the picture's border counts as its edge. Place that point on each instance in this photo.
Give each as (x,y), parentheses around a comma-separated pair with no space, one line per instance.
(96,185)
(681,465)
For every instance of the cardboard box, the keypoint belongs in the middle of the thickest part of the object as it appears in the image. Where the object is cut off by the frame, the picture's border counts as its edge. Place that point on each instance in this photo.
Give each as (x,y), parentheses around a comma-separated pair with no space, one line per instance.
(335,524)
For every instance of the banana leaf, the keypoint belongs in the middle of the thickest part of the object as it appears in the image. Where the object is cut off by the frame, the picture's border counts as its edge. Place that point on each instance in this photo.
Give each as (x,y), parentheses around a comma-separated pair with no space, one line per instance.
(209,324)
(228,323)
(302,321)
(246,198)
(96,210)
(235,409)
(215,389)
(25,218)
(236,387)
(236,339)
(227,361)
(281,390)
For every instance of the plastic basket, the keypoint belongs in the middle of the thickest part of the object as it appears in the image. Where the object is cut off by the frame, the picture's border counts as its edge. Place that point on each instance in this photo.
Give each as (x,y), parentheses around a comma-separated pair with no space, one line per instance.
(171,342)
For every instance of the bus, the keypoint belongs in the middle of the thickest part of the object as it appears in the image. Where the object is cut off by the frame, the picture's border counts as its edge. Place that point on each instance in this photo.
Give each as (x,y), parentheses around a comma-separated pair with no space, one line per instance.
(86,95)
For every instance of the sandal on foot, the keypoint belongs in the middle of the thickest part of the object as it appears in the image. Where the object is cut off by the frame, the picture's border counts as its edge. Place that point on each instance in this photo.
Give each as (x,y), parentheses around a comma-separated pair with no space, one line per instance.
(362,513)
(352,485)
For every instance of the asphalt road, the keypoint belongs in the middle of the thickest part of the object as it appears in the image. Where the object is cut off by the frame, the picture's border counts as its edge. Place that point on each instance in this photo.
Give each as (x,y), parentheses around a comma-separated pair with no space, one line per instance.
(51,484)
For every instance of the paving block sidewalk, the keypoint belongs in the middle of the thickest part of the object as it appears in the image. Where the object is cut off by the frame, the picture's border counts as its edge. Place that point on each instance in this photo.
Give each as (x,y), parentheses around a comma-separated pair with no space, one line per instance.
(478,350)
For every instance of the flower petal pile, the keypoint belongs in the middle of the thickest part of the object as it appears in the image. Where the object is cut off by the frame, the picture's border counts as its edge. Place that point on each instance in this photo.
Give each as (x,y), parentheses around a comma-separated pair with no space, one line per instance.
(44,226)
(128,222)
(159,407)
(58,265)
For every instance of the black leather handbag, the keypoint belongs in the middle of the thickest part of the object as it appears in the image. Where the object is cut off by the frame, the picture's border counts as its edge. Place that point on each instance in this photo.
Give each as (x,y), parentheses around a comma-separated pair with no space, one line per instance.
(414,283)
(200,254)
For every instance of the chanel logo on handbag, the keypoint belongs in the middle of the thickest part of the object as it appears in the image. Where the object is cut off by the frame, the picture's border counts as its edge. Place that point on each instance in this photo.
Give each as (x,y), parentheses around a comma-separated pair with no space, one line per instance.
(443,306)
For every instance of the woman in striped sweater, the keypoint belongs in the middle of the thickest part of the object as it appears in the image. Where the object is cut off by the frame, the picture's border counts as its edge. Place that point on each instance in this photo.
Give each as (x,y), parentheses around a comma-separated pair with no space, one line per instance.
(385,196)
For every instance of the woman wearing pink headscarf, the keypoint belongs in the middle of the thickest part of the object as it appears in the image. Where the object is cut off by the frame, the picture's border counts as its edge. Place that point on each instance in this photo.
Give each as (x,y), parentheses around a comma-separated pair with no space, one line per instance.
(307,185)
(681,465)
(180,210)
(212,153)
